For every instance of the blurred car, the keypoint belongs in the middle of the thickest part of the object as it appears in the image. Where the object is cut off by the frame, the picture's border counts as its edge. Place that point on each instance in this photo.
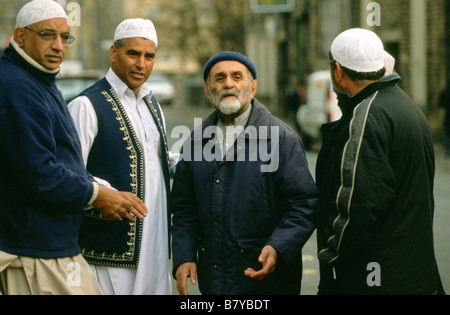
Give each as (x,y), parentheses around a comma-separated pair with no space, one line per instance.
(321,107)
(162,88)
(71,85)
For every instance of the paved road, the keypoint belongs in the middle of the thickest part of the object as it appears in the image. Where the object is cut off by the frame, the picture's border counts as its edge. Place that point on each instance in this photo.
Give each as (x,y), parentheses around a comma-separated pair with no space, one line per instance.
(184,116)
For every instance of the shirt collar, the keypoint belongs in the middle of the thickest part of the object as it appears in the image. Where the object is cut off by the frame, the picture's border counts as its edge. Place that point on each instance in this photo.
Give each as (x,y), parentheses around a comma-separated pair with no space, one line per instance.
(121,88)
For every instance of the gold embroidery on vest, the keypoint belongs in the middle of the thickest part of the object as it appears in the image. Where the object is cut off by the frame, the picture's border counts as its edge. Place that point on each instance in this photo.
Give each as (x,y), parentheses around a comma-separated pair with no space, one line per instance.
(160,126)
(137,188)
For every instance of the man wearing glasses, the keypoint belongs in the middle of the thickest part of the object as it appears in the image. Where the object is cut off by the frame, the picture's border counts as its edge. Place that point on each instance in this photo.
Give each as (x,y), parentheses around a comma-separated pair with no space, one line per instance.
(44,186)
(50,35)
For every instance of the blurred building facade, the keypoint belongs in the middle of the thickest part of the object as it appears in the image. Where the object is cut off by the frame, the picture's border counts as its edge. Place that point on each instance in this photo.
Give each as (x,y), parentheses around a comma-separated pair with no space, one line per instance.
(286,46)
(415,32)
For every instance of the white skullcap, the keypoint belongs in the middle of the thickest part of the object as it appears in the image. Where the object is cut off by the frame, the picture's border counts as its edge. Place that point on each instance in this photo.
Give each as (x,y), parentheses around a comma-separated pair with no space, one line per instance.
(389,63)
(136,28)
(359,50)
(39,10)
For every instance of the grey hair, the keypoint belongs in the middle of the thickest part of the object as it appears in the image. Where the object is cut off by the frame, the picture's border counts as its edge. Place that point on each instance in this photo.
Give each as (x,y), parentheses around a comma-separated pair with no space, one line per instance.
(120,42)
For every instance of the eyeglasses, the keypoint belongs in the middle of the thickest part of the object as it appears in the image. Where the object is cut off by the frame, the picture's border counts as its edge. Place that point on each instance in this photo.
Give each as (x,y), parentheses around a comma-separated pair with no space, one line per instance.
(51,36)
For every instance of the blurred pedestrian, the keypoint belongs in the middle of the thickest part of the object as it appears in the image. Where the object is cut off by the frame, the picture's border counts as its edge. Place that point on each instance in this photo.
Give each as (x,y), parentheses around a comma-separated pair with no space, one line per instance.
(295,99)
(444,103)
(44,184)
(375,175)
(239,221)
(123,137)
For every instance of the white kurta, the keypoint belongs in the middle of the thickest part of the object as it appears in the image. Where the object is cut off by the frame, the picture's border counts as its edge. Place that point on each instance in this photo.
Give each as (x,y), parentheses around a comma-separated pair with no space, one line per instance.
(152,276)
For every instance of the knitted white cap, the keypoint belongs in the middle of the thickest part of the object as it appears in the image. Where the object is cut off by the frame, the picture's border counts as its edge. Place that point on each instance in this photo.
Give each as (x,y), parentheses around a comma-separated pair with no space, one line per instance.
(39,10)
(389,63)
(136,28)
(359,50)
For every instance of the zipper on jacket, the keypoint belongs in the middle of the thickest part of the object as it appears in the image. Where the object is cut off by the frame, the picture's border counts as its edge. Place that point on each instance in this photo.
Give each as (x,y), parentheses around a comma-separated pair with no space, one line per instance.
(334,273)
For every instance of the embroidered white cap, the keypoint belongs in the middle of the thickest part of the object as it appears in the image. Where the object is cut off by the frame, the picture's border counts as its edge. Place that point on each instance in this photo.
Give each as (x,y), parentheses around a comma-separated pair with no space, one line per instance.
(389,63)
(39,10)
(359,50)
(136,28)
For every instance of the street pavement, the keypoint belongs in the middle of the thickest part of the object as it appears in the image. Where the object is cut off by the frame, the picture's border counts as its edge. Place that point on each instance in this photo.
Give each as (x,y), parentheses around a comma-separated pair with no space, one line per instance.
(184,116)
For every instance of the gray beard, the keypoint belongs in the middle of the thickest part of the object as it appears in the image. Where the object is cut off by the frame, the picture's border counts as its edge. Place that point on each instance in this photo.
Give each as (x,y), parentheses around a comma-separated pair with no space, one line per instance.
(230,106)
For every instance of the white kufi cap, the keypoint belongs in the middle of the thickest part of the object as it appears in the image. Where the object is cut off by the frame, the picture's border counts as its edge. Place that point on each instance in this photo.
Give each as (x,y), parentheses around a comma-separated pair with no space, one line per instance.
(39,10)
(389,63)
(359,50)
(136,28)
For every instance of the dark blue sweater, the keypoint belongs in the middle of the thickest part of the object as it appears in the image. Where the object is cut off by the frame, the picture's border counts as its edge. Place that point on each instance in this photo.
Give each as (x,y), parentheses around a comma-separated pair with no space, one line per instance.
(43,182)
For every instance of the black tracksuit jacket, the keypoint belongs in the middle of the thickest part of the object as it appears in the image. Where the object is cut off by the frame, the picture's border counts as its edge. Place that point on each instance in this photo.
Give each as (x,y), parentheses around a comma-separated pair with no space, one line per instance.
(375,173)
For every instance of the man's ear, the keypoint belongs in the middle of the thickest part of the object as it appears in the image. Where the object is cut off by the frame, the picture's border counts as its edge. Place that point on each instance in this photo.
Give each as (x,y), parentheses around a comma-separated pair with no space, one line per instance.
(338,72)
(113,53)
(207,91)
(254,86)
(19,36)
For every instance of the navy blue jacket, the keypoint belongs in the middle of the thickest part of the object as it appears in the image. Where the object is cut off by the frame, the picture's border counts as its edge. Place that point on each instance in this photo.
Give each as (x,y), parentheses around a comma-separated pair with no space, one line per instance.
(225,212)
(43,181)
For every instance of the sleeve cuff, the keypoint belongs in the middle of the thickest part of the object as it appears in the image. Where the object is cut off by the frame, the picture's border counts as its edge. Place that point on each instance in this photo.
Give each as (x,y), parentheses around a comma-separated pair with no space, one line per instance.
(95,194)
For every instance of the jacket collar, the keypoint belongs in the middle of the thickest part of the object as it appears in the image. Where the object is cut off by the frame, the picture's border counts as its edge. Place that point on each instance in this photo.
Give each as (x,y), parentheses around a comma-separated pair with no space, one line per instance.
(347,103)
(259,118)
(30,60)
(17,56)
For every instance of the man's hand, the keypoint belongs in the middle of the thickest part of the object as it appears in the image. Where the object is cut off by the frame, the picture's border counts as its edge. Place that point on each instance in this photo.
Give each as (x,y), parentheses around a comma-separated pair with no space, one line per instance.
(268,258)
(116,205)
(184,271)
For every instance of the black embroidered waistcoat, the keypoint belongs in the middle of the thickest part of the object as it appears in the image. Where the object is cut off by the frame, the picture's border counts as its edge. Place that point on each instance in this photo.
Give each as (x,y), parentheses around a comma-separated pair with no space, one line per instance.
(117,157)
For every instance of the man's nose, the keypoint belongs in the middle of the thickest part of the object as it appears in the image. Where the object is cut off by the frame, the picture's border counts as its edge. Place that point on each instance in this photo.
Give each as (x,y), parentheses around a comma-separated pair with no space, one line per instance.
(228,83)
(140,63)
(57,45)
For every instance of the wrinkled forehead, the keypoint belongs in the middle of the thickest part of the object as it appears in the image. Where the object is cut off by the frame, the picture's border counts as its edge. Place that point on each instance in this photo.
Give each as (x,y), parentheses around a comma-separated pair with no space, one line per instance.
(228,67)
(57,24)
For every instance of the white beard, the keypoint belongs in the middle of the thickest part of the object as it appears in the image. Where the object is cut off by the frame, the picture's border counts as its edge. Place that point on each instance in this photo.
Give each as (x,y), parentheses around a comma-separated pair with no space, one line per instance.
(230,106)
